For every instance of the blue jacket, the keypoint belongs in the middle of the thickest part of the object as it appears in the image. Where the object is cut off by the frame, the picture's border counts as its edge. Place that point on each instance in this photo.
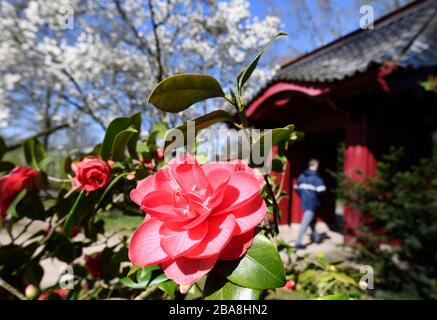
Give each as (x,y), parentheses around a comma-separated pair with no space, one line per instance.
(310,187)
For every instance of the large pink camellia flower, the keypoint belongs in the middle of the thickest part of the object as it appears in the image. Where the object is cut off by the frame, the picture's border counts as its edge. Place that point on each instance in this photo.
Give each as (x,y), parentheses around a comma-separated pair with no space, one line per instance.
(196,216)
(91,174)
(13,183)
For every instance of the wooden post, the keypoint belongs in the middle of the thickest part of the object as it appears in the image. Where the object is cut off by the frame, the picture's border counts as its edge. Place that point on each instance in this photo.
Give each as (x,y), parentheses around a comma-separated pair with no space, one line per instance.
(359,164)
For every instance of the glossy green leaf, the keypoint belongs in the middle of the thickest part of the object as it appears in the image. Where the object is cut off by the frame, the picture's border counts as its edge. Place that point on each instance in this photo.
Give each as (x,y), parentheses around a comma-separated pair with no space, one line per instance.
(32,207)
(73,215)
(33,273)
(3,148)
(160,278)
(200,123)
(179,92)
(245,74)
(12,209)
(121,141)
(218,288)
(266,141)
(261,268)
(151,139)
(34,153)
(115,127)
(161,128)
(169,287)
(109,188)
(128,282)
(135,122)
(145,277)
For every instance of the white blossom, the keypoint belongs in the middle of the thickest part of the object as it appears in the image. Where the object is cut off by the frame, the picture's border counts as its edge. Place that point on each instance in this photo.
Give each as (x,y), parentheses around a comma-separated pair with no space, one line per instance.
(107,65)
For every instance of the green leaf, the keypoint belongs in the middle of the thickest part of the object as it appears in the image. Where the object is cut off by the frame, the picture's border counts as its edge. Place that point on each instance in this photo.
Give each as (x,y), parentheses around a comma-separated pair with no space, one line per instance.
(109,187)
(34,153)
(161,128)
(151,139)
(160,278)
(179,92)
(32,207)
(245,74)
(143,277)
(73,216)
(135,122)
(339,296)
(115,127)
(201,123)
(12,210)
(45,162)
(3,148)
(341,277)
(261,268)
(169,287)
(218,288)
(307,275)
(145,274)
(33,273)
(6,166)
(128,282)
(121,141)
(272,138)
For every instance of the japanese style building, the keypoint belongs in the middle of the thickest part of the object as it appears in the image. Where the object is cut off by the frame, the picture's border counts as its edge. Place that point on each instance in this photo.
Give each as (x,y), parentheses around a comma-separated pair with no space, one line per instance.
(363,90)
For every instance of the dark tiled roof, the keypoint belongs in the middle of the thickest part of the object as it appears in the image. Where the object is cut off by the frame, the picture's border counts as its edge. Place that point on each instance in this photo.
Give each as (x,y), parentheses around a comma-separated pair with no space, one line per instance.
(407,38)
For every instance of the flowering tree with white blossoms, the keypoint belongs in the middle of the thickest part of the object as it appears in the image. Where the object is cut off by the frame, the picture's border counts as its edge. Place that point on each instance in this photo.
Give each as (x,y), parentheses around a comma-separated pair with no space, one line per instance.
(79,64)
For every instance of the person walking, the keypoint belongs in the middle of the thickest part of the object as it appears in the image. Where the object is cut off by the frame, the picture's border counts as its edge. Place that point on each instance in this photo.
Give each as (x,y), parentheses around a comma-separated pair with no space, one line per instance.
(310,186)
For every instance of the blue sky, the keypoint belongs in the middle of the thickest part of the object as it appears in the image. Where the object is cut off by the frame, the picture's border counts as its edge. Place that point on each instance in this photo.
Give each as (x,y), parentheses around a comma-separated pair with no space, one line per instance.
(307,24)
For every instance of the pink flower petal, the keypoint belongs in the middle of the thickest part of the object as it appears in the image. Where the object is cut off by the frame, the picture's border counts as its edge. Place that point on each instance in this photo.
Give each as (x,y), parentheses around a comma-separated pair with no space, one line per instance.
(241,188)
(176,242)
(145,248)
(250,215)
(219,234)
(212,166)
(144,187)
(238,246)
(159,204)
(191,179)
(186,271)
(218,177)
(164,180)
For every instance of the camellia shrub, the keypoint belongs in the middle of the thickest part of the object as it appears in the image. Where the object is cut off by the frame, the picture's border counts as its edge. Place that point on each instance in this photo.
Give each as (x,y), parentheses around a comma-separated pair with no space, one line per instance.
(206,229)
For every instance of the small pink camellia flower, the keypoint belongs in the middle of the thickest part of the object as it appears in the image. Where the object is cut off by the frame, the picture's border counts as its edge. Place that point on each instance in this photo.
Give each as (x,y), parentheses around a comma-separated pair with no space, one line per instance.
(94,265)
(91,174)
(196,216)
(290,285)
(13,183)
